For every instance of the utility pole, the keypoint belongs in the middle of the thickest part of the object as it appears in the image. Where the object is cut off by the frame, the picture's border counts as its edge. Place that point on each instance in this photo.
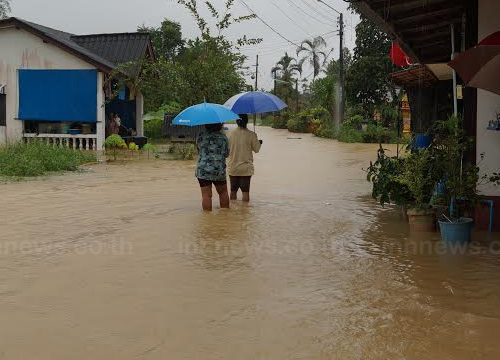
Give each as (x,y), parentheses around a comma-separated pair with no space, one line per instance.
(275,78)
(342,73)
(256,88)
(341,116)
(297,95)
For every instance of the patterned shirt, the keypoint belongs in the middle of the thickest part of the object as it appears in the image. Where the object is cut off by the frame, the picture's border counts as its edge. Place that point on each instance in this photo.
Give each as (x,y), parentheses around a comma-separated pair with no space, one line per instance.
(213,150)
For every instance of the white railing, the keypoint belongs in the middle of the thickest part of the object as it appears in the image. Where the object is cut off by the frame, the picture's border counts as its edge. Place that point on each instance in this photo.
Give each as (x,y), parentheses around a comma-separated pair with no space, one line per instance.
(77,142)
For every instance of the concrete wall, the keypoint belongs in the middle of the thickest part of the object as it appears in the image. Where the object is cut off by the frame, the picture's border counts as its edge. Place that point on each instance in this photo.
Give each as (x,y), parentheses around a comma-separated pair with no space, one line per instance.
(21,50)
(488,104)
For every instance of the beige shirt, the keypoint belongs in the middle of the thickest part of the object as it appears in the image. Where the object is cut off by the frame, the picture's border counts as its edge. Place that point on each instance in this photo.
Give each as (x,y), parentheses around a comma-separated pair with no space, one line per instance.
(242,144)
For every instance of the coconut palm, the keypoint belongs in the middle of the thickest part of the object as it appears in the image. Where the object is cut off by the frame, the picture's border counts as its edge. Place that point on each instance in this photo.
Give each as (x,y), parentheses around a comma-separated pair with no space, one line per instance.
(287,67)
(313,54)
(4,8)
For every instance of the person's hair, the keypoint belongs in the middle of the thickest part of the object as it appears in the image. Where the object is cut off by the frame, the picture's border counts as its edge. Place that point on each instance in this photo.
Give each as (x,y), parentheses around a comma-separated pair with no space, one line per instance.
(242,121)
(213,128)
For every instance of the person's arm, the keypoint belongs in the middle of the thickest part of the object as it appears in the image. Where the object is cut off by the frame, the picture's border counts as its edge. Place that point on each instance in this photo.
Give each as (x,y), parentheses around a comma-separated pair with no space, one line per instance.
(256,144)
(227,147)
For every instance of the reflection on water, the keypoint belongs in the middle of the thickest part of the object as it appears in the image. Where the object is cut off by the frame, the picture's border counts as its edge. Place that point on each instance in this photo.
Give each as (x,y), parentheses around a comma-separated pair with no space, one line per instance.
(311,269)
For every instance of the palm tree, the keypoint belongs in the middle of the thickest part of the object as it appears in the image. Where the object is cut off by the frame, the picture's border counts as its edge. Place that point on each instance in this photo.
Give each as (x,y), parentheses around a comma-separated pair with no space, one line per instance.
(287,67)
(313,54)
(4,8)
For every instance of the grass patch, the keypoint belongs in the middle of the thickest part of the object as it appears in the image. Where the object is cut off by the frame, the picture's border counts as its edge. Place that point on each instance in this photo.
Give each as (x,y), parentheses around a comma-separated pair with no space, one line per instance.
(39,158)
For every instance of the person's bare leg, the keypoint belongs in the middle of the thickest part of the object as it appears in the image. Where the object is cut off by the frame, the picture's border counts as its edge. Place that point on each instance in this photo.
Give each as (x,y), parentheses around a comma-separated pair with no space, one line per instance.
(234,195)
(246,197)
(223,196)
(206,196)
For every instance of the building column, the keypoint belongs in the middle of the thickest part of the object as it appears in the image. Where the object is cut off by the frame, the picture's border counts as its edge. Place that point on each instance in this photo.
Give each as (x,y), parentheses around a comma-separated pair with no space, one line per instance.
(139,112)
(101,112)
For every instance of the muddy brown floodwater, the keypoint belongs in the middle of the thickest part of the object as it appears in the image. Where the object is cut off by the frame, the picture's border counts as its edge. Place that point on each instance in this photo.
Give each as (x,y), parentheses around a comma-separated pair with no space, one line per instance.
(119,262)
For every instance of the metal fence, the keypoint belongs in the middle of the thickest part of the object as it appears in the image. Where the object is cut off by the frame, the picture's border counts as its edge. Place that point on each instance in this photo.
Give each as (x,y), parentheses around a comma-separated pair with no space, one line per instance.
(179,133)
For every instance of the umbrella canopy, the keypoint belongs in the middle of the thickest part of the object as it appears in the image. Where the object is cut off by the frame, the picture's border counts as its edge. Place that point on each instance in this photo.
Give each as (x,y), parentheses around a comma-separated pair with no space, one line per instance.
(478,66)
(204,114)
(255,102)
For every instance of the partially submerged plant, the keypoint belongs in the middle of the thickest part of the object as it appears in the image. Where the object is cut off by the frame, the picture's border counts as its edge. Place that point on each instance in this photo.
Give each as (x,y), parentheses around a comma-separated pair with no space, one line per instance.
(114,143)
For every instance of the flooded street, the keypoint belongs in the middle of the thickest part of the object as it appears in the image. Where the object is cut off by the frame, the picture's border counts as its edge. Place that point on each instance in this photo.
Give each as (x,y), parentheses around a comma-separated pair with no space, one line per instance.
(119,262)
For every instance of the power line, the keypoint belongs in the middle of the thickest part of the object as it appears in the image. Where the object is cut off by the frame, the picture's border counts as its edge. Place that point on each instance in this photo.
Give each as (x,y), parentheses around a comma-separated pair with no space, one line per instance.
(266,24)
(308,14)
(289,18)
(273,44)
(318,12)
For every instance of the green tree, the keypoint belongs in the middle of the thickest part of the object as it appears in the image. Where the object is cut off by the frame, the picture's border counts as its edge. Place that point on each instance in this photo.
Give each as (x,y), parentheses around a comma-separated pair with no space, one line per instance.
(167,39)
(4,8)
(368,81)
(313,54)
(285,70)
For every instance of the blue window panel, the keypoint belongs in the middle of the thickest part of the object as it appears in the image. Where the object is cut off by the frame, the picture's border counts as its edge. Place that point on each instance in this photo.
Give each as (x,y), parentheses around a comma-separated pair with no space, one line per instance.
(58,95)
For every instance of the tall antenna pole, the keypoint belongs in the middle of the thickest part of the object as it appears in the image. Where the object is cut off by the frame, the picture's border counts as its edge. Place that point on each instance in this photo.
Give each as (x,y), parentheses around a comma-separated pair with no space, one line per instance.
(341,116)
(342,72)
(256,87)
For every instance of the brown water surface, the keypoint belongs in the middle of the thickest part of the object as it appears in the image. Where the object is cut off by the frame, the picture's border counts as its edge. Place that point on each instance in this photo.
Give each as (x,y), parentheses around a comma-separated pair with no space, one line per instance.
(119,262)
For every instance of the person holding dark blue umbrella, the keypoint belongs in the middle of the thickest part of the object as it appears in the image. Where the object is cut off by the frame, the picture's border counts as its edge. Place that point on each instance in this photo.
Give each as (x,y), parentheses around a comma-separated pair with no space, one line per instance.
(242,144)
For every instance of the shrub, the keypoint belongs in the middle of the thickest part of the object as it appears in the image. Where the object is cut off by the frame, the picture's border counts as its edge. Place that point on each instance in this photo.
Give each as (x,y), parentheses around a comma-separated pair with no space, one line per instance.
(349,135)
(133,146)
(114,143)
(153,128)
(280,121)
(378,134)
(186,151)
(38,158)
(297,125)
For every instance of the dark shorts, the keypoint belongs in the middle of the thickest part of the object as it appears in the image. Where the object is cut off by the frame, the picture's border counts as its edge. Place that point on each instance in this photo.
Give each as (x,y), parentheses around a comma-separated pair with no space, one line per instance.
(240,182)
(204,183)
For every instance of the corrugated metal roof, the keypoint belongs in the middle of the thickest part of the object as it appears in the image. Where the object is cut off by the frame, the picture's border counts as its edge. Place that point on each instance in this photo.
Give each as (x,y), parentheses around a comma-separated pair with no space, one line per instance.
(116,48)
(107,50)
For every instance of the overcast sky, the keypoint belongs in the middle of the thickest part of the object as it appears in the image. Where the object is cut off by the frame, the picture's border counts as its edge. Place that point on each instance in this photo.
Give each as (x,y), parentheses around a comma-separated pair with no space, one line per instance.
(294,19)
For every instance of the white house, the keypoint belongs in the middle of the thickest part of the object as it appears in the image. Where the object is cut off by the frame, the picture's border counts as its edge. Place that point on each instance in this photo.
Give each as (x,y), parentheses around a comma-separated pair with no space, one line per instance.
(54,85)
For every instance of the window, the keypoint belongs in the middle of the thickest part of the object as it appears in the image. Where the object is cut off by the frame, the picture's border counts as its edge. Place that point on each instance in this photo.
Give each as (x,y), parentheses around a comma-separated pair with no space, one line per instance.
(3,110)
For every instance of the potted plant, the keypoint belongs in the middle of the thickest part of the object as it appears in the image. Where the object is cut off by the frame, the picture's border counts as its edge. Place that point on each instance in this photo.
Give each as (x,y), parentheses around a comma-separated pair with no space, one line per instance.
(461,179)
(387,189)
(420,175)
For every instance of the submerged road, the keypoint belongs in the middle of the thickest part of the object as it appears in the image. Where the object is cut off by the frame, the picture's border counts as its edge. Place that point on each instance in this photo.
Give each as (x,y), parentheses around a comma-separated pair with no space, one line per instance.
(119,262)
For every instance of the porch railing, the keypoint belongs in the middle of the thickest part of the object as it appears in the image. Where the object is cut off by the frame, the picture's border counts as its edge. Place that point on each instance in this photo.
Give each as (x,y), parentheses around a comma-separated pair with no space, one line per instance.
(77,142)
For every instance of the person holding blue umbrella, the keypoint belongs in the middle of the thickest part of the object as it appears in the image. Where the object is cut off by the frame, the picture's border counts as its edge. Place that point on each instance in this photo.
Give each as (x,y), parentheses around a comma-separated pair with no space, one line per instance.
(243,143)
(213,149)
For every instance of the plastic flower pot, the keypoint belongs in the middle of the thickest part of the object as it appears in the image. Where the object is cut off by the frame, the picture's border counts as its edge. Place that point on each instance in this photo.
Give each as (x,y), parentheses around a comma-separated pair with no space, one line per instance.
(422,220)
(459,231)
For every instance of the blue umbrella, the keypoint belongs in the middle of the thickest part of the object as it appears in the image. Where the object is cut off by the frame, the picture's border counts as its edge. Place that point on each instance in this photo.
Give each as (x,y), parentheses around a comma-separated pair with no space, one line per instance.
(255,102)
(204,114)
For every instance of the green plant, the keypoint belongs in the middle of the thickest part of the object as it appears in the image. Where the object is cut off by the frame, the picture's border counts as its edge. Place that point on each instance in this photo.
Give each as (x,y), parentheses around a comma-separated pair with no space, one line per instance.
(153,128)
(299,123)
(38,158)
(383,174)
(133,146)
(349,135)
(421,175)
(378,134)
(186,151)
(113,143)
(280,121)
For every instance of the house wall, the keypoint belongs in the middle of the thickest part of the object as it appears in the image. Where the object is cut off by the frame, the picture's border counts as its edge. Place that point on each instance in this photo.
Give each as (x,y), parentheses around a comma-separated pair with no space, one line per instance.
(22,50)
(488,104)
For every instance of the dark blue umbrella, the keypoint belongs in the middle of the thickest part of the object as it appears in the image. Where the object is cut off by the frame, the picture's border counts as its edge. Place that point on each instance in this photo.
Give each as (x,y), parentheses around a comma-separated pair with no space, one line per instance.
(255,102)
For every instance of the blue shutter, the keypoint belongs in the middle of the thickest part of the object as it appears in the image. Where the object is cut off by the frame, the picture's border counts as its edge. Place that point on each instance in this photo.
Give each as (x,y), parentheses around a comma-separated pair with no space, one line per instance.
(58,95)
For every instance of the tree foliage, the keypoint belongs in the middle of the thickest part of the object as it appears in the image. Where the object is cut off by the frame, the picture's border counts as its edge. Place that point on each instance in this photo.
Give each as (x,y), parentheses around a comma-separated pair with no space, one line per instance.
(167,39)
(313,53)
(189,72)
(4,8)
(368,81)
(285,69)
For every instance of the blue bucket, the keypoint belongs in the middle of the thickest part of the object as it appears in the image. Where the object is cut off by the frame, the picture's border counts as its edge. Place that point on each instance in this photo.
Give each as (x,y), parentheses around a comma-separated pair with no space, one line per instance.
(457,232)
(422,142)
